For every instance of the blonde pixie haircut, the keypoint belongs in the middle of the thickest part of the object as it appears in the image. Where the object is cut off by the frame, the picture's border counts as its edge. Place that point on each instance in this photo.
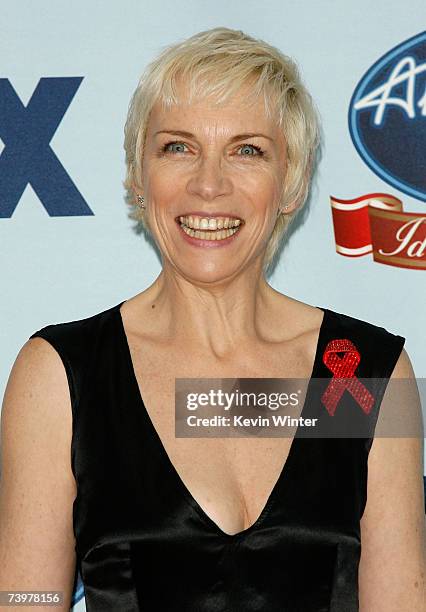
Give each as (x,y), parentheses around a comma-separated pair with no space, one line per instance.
(216,63)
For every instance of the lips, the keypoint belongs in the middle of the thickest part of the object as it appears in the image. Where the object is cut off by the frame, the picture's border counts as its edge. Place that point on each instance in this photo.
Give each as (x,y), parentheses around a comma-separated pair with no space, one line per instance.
(209,231)
(208,215)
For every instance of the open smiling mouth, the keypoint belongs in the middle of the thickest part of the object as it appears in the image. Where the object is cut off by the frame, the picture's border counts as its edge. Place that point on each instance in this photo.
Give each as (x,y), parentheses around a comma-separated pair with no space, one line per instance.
(211,229)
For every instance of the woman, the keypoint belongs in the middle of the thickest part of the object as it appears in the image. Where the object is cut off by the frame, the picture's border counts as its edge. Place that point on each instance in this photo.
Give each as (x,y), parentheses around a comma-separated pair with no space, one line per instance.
(220,144)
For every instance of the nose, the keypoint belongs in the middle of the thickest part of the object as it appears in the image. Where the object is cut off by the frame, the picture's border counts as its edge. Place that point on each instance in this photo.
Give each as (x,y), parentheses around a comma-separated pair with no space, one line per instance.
(208,180)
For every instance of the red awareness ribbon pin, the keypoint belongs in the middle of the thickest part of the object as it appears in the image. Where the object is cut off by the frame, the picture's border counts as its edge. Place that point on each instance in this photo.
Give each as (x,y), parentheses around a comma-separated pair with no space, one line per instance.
(344,368)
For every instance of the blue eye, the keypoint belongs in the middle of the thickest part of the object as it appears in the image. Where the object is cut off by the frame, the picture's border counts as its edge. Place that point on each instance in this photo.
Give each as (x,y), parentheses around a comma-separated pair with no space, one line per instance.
(175,147)
(248,150)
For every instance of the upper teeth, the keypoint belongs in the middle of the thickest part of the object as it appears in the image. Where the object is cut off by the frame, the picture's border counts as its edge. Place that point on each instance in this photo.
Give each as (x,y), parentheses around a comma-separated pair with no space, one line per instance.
(209,223)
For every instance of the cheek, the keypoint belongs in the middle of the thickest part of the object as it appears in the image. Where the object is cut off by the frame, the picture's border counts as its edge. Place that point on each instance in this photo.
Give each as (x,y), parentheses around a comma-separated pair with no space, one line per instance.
(161,184)
(164,180)
(263,188)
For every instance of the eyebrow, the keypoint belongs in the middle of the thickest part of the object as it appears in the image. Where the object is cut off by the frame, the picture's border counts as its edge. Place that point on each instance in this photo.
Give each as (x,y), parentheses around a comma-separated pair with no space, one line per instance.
(233,139)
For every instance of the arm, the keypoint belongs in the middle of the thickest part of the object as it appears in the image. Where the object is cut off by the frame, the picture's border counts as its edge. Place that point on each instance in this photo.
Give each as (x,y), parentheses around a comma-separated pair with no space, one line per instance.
(37,487)
(393,533)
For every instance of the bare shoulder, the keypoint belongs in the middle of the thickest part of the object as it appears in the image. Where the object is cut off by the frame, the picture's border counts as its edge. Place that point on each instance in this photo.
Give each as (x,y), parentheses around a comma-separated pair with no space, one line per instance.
(139,315)
(37,485)
(37,380)
(403,367)
(393,531)
(296,319)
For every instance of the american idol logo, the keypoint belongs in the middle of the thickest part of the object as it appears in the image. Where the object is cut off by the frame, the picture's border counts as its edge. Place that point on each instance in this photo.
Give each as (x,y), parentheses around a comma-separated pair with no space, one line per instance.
(387,117)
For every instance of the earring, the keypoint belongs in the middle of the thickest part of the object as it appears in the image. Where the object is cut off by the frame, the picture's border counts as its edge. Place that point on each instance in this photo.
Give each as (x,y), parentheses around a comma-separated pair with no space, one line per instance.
(141,202)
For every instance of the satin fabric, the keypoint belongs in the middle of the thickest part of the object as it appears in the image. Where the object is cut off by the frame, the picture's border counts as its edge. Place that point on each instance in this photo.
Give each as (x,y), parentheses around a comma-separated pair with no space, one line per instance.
(142,541)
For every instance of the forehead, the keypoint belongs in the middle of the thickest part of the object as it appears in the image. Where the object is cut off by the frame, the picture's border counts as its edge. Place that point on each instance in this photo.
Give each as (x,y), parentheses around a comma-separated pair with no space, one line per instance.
(240,113)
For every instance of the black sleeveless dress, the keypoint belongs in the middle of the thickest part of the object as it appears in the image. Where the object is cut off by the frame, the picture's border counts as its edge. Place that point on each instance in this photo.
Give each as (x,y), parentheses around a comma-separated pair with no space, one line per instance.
(142,541)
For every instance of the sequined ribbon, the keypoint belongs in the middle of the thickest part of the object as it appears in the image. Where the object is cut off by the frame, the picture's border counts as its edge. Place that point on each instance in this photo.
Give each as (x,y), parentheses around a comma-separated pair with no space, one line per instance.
(343,369)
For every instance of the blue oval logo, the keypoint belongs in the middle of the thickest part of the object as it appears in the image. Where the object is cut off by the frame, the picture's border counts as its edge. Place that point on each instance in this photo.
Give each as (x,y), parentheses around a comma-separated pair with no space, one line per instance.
(387,117)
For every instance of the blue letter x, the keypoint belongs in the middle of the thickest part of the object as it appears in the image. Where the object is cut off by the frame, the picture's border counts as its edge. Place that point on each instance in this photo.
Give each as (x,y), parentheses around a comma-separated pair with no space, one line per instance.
(27,157)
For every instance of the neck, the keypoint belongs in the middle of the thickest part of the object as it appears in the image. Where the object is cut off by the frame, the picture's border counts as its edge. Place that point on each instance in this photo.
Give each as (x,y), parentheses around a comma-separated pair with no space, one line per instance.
(214,317)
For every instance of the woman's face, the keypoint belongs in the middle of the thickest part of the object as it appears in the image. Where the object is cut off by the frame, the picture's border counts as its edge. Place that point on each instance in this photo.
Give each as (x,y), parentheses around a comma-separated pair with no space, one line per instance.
(212,178)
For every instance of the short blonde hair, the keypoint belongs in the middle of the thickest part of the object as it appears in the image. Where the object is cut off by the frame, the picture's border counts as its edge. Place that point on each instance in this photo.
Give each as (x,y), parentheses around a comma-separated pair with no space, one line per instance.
(217,63)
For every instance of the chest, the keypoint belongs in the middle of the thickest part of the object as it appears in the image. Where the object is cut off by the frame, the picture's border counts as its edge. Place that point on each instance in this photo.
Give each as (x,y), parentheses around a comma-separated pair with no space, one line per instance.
(230,478)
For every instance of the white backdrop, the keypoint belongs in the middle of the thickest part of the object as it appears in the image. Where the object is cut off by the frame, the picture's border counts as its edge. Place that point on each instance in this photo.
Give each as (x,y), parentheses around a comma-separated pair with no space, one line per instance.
(60,268)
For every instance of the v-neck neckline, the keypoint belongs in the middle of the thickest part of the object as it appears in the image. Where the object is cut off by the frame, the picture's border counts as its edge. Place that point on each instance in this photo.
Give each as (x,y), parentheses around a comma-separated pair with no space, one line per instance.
(189,498)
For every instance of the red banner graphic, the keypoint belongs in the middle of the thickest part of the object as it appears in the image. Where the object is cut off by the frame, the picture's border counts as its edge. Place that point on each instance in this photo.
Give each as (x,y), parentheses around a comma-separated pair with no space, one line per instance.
(376,223)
